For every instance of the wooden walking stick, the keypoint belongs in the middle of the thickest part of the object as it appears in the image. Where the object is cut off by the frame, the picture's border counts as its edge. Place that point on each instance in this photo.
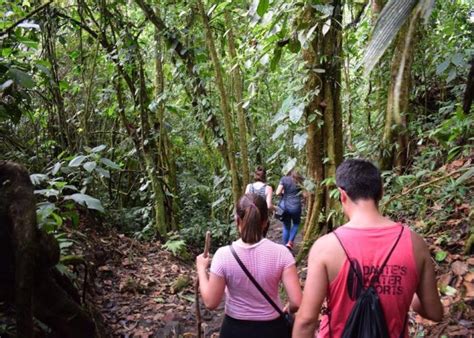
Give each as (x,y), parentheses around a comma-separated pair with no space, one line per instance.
(207,245)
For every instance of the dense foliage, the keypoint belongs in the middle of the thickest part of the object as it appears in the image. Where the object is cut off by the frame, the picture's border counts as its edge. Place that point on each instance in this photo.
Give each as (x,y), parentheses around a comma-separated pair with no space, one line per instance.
(116,106)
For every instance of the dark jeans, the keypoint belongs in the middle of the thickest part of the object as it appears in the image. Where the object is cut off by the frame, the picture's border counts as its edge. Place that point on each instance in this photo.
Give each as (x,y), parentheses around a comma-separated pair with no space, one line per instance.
(236,328)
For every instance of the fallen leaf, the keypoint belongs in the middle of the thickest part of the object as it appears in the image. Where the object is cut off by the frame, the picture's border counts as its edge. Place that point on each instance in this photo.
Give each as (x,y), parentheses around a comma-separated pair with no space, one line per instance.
(469,289)
(445,279)
(459,268)
(469,277)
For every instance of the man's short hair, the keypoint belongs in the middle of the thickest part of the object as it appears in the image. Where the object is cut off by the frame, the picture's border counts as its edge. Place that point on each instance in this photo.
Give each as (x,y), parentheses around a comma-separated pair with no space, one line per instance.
(360,179)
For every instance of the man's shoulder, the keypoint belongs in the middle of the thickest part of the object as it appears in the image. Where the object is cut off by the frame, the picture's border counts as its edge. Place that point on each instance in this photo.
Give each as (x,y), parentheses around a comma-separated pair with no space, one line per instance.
(325,245)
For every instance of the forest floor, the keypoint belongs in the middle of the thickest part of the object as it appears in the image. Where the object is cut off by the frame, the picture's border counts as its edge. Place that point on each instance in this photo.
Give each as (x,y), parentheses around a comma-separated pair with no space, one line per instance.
(141,290)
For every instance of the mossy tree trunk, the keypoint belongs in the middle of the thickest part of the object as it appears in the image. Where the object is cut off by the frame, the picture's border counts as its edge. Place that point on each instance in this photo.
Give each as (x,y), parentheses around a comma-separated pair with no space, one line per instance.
(324,148)
(238,92)
(224,102)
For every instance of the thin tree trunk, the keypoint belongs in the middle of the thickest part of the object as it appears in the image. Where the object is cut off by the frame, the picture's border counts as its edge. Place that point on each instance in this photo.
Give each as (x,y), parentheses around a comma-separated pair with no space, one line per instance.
(197,89)
(224,103)
(166,158)
(237,79)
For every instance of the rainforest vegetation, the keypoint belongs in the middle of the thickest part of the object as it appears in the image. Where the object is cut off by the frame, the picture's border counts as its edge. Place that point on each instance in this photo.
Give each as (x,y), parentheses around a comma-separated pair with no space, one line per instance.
(140,123)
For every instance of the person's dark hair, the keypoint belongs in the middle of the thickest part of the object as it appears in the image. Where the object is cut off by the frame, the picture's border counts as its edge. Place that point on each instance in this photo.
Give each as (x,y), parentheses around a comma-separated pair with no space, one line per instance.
(295,175)
(360,179)
(252,211)
(260,174)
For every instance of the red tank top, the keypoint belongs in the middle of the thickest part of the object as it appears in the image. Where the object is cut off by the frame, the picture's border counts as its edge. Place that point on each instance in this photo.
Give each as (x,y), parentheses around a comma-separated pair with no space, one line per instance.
(396,286)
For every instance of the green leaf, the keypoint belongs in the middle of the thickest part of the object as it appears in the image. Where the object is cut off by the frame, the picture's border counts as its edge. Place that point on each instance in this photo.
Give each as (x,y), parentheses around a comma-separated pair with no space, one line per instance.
(5,85)
(76,161)
(441,256)
(86,200)
(21,78)
(110,163)
(449,290)
(56,168)
(294,45)
(275,59)
(299,141)
(279,131)
(467,175)
(442,67)
(288,166)
(262,7)
(103,172)
(219,201)
(390,20)
(98,148)
(326,27)
(89,166)
(296,113)
(452,75)
(47,192)
(36,179)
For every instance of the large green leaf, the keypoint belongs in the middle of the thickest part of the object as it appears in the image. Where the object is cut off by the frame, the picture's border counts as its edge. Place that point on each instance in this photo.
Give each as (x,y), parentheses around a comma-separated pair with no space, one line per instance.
(89,166)
(279,131)
(76,161)
(21,78)
(296,113)
(110,163)
(391,19)
(86,200)
(262,7)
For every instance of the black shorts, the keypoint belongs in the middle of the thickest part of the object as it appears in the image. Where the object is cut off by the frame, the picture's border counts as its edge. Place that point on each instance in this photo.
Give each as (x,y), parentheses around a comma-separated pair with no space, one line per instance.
(236,328)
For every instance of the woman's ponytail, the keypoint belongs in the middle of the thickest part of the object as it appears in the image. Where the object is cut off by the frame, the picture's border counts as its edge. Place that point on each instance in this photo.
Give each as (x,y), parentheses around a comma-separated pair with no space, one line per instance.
(253,213)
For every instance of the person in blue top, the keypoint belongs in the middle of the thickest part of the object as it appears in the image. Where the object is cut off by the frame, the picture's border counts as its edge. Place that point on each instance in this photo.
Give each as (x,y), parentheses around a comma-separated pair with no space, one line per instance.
(291,202)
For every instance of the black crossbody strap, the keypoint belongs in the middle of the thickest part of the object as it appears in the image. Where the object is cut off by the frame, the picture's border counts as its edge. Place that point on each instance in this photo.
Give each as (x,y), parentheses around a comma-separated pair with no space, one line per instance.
(259,288)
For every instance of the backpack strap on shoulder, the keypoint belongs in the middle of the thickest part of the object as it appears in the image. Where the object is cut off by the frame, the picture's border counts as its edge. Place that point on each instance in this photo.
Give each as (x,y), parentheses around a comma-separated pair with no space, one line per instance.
(359,277)
(376,275)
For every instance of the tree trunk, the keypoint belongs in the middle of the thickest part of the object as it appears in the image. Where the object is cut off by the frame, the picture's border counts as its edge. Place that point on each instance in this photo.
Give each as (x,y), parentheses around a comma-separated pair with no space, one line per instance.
(61,131)
(166,160)
(28,255)
(469,92)
(224,103)
(197,91)
(149,149)
(237,81)
(396,115)
(324,147)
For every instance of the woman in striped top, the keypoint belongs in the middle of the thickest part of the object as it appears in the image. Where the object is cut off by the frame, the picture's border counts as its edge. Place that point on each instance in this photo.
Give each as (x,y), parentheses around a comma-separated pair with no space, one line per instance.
(247,313)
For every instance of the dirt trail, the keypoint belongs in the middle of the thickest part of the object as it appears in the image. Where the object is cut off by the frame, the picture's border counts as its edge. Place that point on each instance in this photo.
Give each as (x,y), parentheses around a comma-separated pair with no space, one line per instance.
(136,291)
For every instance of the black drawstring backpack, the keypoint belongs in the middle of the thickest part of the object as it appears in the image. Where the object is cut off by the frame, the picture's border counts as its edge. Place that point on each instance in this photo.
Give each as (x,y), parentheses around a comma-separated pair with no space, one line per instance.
(367,319)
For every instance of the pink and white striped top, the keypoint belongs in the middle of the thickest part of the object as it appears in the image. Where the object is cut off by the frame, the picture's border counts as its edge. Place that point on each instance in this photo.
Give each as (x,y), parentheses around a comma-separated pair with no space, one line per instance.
(266,261)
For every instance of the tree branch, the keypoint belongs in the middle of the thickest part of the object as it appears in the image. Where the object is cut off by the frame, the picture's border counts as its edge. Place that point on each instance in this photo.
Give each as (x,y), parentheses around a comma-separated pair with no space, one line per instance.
(29,15)
(423,185)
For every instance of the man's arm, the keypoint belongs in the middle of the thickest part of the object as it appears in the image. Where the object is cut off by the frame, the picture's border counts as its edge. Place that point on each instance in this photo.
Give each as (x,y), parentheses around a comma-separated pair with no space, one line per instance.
(314,292)
(426,300)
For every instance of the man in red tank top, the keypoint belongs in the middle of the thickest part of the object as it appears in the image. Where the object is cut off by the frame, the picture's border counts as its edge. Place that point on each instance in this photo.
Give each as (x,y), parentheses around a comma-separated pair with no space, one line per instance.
(407,279)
